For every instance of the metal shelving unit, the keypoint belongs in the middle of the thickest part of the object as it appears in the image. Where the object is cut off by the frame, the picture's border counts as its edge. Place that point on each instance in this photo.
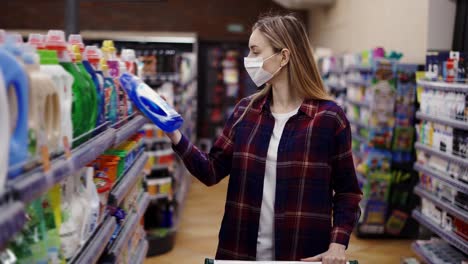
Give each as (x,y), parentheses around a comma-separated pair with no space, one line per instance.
(441,154)
(445,205)
(32,184)
(128,180)
(95,246)
(443,120)
(460,186)
(448,236)
(358,103)
(443,86)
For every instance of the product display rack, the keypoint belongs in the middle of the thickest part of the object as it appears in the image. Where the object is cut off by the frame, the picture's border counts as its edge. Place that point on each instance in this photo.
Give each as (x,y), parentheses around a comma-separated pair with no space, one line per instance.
(29,186)
(428,189)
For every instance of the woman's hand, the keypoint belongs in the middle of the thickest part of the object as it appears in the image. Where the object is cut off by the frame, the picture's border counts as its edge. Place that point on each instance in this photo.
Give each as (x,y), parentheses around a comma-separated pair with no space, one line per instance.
(175,136)
(334,255)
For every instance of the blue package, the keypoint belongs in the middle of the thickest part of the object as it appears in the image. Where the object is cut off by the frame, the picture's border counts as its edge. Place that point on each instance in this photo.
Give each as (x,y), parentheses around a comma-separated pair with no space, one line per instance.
(150,103)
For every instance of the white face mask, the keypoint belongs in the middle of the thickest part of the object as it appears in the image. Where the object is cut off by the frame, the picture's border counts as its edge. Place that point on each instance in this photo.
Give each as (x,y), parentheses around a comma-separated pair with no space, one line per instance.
(254,67)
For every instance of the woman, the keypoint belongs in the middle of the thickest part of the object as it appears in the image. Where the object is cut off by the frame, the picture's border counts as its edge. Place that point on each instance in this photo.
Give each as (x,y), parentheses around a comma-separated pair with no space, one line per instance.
(293,192)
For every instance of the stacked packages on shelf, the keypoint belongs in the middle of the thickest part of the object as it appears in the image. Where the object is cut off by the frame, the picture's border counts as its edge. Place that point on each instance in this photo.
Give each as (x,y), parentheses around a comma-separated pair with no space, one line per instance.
(71,165)
(441,157)
(378,95)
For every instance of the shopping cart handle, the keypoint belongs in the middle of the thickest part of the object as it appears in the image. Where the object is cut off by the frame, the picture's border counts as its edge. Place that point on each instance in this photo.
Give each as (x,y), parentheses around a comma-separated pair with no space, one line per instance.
(212,261)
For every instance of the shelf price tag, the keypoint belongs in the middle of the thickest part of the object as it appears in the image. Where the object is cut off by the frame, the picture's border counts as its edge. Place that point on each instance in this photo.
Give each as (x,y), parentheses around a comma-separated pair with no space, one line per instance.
(45,157)
(66,147)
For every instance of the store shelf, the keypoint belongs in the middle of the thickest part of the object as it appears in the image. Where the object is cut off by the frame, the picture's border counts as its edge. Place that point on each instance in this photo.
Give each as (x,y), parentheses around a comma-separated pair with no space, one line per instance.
(448,236)
(444,86)
(421,254)
(361,178)
(32,184)
(128,180)
(160,153)
(435,251)
(358,83)
(443,120)
(460,186)
(446,206)
(357,123)
(131,223)
(96,245)
(358,138)
(358,103)
(140,255)
(130,128)
(143,204)
(12,220)
(440,154)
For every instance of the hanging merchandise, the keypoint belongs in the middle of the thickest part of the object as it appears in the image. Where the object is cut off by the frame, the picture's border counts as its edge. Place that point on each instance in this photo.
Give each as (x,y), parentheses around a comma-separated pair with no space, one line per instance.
(55,40)
(110,93)
(17,86)
(44,112)
(109,53)
(4,133)
(92,90)
(53,219)
(151,104)
(63,81)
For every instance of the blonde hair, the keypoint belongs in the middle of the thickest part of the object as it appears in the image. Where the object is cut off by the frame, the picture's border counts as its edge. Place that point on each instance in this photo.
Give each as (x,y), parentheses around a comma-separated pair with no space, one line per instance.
(287,32)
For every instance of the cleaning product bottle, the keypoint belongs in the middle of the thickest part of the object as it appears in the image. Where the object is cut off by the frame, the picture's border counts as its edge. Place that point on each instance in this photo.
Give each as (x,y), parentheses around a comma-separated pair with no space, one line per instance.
(91,62)
(36,40)
(44,110)
(76,39)
(49,206)
(17,86)
(110,94)
(4,133)
(80,207)
(69,230)
(92,92)
(150,103)
(55,40)
(110,55)
(63,81)
(129,57)
(128,104)
(91,217)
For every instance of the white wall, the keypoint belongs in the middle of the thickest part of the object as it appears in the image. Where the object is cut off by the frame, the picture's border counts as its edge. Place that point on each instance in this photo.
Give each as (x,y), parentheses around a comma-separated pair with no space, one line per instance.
(441,24)
(355,25)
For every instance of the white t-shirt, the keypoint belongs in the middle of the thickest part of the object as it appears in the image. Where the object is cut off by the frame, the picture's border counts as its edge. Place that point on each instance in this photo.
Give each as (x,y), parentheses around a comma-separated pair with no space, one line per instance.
(266,238)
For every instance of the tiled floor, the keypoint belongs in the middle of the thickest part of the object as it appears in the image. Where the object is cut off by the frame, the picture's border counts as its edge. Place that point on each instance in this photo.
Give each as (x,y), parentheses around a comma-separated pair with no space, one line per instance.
(201,219)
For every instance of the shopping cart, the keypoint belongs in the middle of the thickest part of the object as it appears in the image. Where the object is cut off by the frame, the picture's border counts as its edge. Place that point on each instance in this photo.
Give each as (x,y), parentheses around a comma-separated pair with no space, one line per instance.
(213,261)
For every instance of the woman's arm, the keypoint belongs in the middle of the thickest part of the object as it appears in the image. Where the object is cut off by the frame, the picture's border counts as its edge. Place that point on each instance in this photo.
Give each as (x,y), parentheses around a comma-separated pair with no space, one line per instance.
(208,168)
(346,211)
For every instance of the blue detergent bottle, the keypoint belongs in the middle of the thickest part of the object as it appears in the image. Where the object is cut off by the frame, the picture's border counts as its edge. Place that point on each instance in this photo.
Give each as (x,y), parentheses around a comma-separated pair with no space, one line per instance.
(151,104)
(17,85)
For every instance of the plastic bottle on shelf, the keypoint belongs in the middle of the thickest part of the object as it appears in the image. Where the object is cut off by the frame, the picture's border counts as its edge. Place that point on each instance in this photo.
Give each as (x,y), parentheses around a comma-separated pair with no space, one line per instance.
(129,57)
(16,85)
(55,40)
(151,104)
(110,94)
(44,111)
(92,90)
(63,81)
(69,229)
(128,104)
(91,217)
(110,55)
(91,59)
(4,133)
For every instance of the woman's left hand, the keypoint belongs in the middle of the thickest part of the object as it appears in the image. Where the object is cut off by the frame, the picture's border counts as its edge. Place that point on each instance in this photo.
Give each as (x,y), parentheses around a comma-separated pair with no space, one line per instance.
(334,255)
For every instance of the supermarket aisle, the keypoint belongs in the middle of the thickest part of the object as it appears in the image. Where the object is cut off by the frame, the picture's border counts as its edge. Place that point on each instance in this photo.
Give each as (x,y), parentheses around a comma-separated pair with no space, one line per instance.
(201,219)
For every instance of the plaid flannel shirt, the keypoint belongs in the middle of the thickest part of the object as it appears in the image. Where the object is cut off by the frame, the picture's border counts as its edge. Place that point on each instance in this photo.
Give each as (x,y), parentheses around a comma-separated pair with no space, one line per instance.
(317,193)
